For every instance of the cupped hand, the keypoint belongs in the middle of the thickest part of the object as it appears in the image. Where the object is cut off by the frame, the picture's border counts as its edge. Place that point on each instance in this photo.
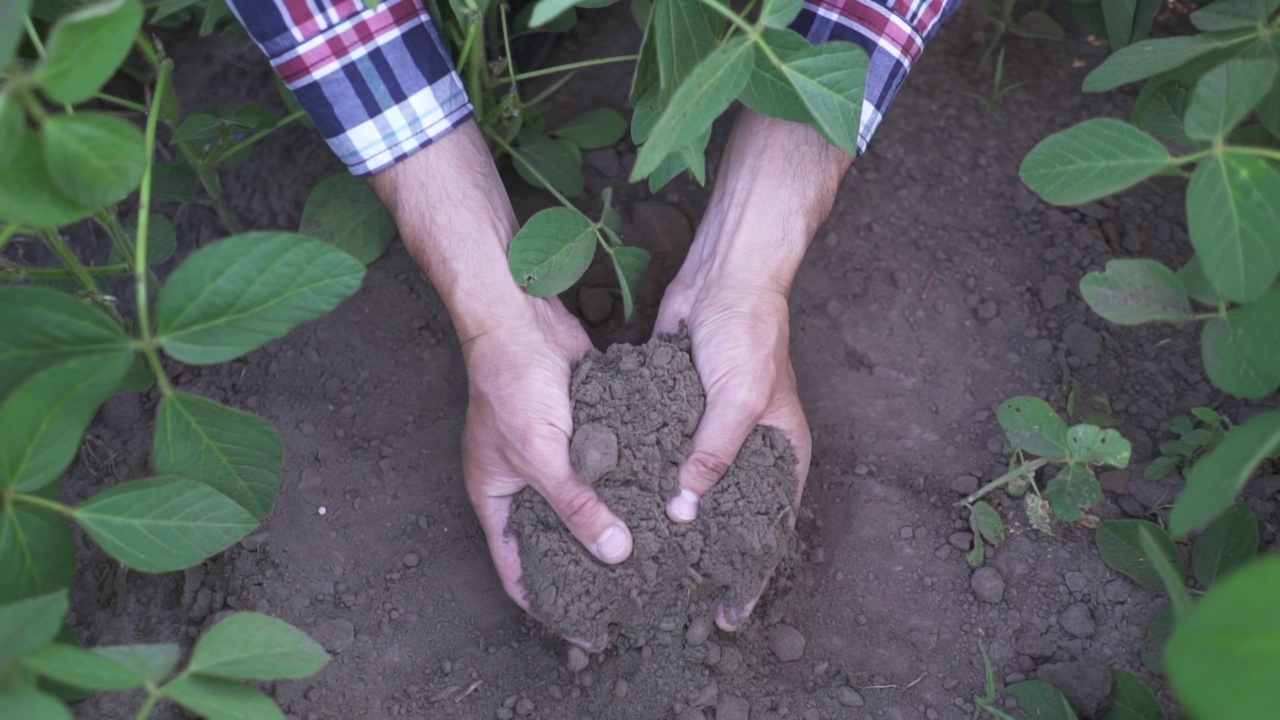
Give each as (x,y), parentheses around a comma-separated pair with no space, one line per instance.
(740,336)
(519,424)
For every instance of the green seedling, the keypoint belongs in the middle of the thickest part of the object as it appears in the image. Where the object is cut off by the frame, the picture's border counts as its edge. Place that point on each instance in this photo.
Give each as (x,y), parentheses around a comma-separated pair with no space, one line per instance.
(991,101)
(1194,439)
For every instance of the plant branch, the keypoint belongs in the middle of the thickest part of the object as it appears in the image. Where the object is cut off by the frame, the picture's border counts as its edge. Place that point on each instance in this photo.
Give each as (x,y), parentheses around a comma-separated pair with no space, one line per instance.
(1024,470)
(39,46)
(1267,153)
(232,150)
(515,154)
(506,44)
(77,269)
(131,105)
(144,224)
(45,503)
(573,66)
(153,697)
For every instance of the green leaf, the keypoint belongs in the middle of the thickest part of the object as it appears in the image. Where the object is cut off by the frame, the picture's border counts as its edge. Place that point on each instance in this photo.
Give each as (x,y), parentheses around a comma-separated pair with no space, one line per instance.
(558,161)
(201,126)
(1132,292)
(987,522)
(1034,427)
(1160,467)
(219,699)
(563,22)
(1146,59)
(597,128)
(684,33)
(544,11)
(1225,94)
(81,668)
(43,420)
(1209,416)
(1218,477)
(169,7)
(629,263)
(1239,350)
(708,90)
(343,211)
(43,327)
(147,663)
(1232,215)
(36,554)
(1120,543)
(1228,542)
(250,646)
(238,454)
(1224,656)
(1131,699)
(1038,25)
(29,624)
(768,91)
(28,194)
(779,13)
(1233,14)
(1119,16)
(1197,285)
(1041,700)
(13,121)
(830,80)
(161,241)
(85,48)
(1091,160)
(552,251)
(1091,444)
(174,181)
(977,556)
(236,294)
(1073,491)
(1157,635)
(609,217)
(1173,581)
(93,159)
(646,76)
(11,13)
(163,524)
(32,705)
(1160,111)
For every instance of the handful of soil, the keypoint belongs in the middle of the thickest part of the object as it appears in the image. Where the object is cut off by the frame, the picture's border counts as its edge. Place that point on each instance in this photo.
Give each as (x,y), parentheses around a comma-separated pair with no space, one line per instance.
(634,411)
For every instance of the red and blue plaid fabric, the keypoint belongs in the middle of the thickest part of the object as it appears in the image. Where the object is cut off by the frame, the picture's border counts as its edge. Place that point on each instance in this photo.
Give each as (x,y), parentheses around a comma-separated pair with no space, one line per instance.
(379,84)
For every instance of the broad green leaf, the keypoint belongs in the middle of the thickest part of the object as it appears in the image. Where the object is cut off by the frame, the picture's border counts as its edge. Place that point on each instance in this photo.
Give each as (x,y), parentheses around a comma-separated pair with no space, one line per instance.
(162,240)
(646,76)
(13,121)
(236,294)
(1268,111)
(1174,581)
(768,90)
(176,182)
(147,663)
(629,263)
(11,28)
(1228,542)
(36,553)
(163,524)
(251,646)
(93,159)
(694,157)
(552,251)
(1146,59)
(1160,111)
(563,22)
(81,668)
(1131,699)
(28,194)
(645,115)
(1119,16)
(219,699)
(779,13)
(1218,477)
(708,90)
(32,705)
(1091,160)
(1197,285)
(597,128)
(684,33)
(640,12)
(29,624)
(1039,25)
(1224,656)
(988,523)
(1239,350)
(609,217)
(544,11)
(343,211)
(238,454)
(85,48)
(1120,543)
(830,80)
(1132,292)
(557,161)
(201,126)
(43,327)
(1233,14)
(1041,700)
(1225,95)
(1034,427)
(1092,445)
(43,420)
(1073,491)
(1157,635)
(1232,216)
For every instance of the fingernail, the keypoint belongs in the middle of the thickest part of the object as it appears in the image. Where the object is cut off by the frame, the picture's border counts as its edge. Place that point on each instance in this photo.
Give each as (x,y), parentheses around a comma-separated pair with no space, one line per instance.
(614,545)
(683,508)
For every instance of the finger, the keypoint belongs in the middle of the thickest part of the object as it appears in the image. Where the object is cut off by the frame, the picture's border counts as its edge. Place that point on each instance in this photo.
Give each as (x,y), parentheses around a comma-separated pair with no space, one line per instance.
(730,618)
(728,419)
(493,513)
(585,514)
(788,418)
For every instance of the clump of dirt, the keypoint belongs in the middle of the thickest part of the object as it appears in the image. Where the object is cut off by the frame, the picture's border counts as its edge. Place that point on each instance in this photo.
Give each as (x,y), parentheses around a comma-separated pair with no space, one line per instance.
(634,411)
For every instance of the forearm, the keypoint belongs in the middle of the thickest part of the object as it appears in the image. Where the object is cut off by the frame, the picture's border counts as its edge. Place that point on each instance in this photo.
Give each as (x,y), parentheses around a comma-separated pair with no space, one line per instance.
(776,185)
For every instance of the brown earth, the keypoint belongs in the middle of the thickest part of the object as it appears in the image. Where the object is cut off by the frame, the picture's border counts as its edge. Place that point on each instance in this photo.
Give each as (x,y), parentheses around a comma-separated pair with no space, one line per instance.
(938,288)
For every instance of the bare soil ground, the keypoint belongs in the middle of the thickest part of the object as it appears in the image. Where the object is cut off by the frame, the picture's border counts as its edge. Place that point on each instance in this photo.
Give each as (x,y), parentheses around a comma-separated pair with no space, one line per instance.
(938,288)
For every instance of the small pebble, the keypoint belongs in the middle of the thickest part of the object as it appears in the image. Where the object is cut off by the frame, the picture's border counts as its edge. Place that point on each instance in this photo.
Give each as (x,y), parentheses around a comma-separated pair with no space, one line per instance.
(410,559)
(698,632)
(621,688)
(524,707)
(786,642)
(905,533)
(578,659)
(1077,621)
(987,584)
(849,697)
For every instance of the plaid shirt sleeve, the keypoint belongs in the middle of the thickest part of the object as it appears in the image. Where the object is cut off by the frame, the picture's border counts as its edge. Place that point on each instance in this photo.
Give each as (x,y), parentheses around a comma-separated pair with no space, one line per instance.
(378,84)
(893,32)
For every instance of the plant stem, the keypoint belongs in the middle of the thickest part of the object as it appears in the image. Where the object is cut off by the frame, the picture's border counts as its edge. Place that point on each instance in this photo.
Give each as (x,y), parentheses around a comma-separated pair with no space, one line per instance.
(153,697)
(136,107)
(1267,153)
(40,502)
(144,223)
(1024,470)
(24,271)
(39,46)
(573,66)
(77,269)
(497,139)
(228,152)
(506,44)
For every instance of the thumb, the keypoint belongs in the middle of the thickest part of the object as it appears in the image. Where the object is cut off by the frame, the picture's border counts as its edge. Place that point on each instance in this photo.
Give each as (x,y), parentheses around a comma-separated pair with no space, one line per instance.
(723,428)
(601,532)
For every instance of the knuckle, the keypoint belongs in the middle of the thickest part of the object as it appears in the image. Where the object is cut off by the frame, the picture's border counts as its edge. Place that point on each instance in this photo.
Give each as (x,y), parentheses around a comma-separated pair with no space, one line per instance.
(577,506)
(709,466)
